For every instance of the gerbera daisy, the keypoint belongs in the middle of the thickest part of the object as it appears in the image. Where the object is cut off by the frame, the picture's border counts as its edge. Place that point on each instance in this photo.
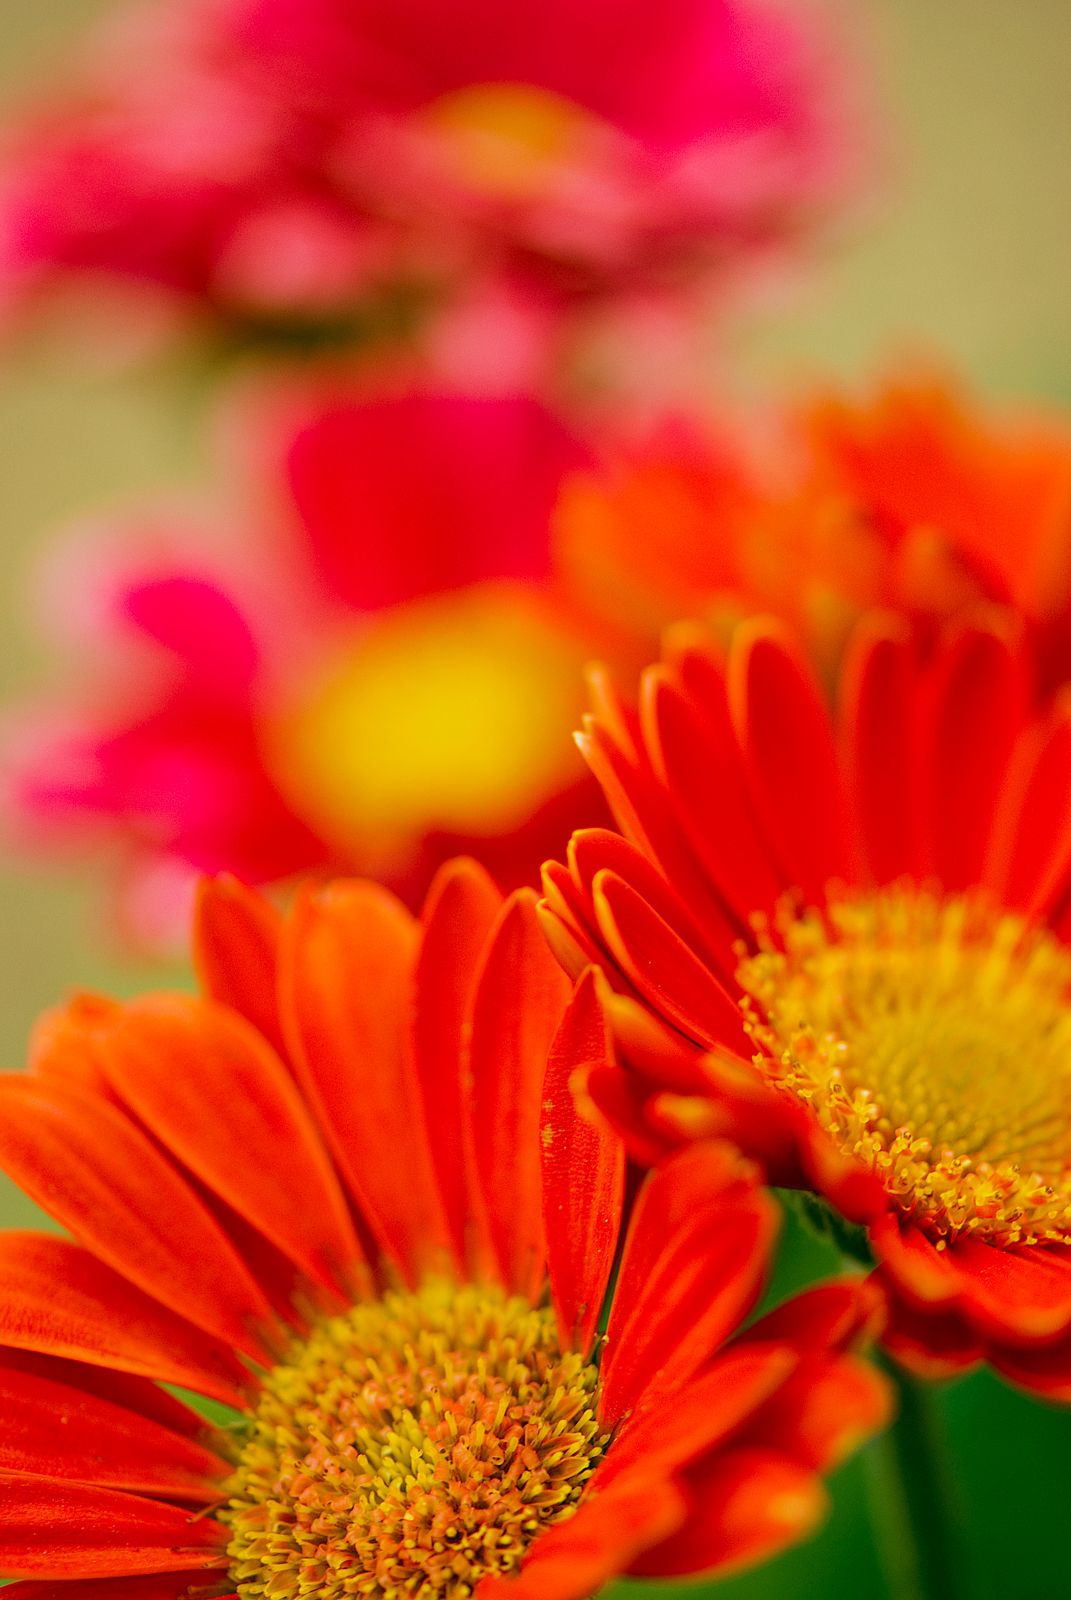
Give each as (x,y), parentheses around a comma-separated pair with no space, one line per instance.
(376,670)
(914,497)
(311,163)
(843,939)
(346,1196)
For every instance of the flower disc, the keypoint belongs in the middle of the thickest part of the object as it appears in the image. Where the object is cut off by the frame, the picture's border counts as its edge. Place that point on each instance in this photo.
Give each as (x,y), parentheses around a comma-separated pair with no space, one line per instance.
(413,1445)
(931,1037)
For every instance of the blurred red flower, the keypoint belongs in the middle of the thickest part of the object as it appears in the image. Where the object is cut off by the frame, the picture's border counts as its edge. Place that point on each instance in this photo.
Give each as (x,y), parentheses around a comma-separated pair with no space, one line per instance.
(310,161)
(386,672)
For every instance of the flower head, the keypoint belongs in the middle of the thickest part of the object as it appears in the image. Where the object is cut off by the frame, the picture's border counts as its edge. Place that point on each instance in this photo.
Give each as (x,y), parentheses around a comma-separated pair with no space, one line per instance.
(273,162)
(841,938)
(913,499)
(346,1195)
(383,671)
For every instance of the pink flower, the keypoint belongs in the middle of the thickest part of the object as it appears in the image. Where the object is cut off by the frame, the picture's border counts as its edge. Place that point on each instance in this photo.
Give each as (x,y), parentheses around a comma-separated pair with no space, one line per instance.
(273,159)
(385,671)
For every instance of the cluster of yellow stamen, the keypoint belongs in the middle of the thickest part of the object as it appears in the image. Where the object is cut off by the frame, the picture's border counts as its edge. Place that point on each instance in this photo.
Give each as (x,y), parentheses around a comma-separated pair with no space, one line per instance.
(409,1448)
(931,1037)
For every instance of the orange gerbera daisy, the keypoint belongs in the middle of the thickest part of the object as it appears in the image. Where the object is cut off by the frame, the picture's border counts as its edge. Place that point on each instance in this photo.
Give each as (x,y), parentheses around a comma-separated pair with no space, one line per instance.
(913,498)
(844,940)
(347,1195)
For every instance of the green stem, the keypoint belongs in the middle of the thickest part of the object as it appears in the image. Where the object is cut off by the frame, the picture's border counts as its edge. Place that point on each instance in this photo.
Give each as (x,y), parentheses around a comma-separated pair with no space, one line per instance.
(912,1505)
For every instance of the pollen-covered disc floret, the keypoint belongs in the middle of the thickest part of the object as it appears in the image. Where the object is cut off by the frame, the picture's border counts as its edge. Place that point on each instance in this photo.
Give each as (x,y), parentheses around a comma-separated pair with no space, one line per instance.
(411,1447)
(931,1037)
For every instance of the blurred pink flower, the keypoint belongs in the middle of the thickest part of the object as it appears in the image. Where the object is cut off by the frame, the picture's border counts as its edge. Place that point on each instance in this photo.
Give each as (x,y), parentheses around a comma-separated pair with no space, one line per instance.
(273,160)
(385,672)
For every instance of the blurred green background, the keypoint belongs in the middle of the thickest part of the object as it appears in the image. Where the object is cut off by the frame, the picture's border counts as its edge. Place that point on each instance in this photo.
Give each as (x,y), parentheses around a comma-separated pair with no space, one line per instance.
(968,251)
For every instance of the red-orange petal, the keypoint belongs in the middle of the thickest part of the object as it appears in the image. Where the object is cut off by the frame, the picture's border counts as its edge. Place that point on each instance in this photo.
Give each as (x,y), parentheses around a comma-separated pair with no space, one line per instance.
(151,1586)
(99,1175)
(346,980)
(919,1271)
(681,1292)
(824,1411)
(53,1430)
(583,1173)
(1029,854)
(1045,1371)
(460,911)
(662,1436)
(933,1345)
(1016,1296)
(236,936)
(662,968)
(57,1299)
(644,813)
(595,850)
(50,1529)
(786,734)
(573,1559)
(216,1094)
(876,714)
(65,1042)
(747,1504)
(829,1316)
(521,996)
(622,1100)
(129,1392)
(1021,1295)
(976,710)
(696,755)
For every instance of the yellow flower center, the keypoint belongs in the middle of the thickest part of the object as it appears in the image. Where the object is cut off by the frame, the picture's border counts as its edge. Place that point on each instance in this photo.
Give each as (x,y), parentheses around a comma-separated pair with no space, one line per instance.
(508,140)
(931,1038)
(448,713)
(411,1447)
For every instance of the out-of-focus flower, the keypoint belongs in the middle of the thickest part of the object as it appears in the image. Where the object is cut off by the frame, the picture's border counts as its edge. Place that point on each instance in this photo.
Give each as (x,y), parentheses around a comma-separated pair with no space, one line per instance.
(915,500)
(844,941)
(387,671)
(313,161)
(420,1397)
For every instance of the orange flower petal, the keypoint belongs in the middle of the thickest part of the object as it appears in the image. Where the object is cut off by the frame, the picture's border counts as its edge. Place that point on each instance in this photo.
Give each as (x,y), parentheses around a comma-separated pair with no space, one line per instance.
(50,1529)
(1029,856)
(696,755)
(1045,1372)
(667,1434)
(520,998)
(121,1389)
(346,979)
(583,1173)
(747,1505)
(460,911)
(576,1557)
(101,1443)
(595,850)
(1020,1295)
(831,1316)
(876,699)
(693,1266)
(153,1586)
(102,1178)
(57,1299)
(215,1094)
(785,733)
(662,968)
(976,709)
(236,938)
(827,1407)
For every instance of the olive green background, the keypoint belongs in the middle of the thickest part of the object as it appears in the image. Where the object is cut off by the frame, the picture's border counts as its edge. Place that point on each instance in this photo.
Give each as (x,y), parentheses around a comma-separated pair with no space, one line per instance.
(966,251)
